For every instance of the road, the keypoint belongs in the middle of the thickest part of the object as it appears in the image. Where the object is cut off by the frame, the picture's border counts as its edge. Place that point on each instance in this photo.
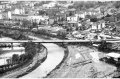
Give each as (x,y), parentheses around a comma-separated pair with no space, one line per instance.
(54,57)
(60,41)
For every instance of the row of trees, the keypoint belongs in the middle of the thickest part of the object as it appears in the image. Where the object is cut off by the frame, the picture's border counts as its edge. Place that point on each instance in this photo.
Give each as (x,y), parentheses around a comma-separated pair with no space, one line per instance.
(28,24)
(108,47)
(31,24)
(30,50)
(41,3)
(49,33)
(15,34)
(79,5)
(19,58)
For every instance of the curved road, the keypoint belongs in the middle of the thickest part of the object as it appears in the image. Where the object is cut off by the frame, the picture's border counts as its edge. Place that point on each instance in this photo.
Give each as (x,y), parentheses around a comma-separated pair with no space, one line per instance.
(54,57)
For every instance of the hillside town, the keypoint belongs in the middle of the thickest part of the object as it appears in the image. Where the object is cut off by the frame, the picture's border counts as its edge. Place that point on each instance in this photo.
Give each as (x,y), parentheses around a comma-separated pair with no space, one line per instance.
(63,18)
(59,39)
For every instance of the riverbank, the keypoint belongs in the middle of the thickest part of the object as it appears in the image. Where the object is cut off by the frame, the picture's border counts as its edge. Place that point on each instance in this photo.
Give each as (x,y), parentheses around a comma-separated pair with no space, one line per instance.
(55,56)
(28,67)
(66,53)
(80,64)
(55,53)
(38,63)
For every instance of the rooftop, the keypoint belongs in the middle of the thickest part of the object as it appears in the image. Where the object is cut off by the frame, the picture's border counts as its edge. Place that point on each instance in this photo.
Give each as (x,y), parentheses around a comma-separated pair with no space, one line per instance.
(19,15)
(115,55)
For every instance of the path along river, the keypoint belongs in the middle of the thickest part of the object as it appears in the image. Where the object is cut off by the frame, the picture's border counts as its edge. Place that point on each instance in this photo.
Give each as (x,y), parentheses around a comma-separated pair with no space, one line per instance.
(54,57)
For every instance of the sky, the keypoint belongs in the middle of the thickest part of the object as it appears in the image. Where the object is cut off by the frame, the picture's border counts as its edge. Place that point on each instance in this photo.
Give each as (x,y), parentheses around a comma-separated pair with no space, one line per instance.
(59,0)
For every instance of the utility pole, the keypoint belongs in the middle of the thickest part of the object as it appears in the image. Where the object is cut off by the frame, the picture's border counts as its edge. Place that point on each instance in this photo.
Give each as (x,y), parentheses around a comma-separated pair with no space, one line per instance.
(12,46)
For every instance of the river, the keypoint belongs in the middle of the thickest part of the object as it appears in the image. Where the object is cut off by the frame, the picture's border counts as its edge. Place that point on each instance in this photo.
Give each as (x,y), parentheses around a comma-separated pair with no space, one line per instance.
(54,57)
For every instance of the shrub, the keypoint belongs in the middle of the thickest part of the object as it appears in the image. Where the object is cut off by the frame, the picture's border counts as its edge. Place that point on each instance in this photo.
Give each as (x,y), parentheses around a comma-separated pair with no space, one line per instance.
(15,58)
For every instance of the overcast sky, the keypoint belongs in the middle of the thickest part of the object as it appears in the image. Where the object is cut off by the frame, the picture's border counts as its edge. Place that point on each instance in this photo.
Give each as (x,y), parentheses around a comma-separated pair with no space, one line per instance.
(59,0)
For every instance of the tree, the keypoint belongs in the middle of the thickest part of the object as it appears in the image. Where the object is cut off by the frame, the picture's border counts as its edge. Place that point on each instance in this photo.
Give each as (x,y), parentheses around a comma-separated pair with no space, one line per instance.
(70,7)
(102,10)
(63,2)
(30,49)
(83,27)
(22,58)
(62,34)
(26,24)
(93,19)
(88,16)
(41,12)
(80,5)
(34,24)
(15,58)
(70,14)
(39,45)
(113,10)
(118,16)
(117,4)
(41,3)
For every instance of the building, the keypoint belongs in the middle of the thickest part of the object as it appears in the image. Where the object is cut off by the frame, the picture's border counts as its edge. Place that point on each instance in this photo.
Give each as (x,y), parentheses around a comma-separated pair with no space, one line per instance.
(81,14)
(19,16)
(19,11)
(51,21)
(2,6)
(1,17)
(32,18)
(6,15)
(37,18)
(98,25)
(9,22)
(50,5)
(59,18)
(72,19)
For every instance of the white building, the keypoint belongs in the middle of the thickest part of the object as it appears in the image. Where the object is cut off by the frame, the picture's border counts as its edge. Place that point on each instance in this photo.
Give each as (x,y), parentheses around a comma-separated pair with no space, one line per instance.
(81,14)
(98,26)
(19,11)
(1,17)
(51,4)
(72,18)
(9,15)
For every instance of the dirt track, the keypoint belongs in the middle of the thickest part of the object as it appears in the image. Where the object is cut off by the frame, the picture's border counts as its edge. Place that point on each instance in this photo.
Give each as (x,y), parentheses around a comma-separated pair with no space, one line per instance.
(80,64)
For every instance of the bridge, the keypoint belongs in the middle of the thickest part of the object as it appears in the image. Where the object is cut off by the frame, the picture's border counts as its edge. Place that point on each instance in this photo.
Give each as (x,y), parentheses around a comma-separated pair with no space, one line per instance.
(61,41)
